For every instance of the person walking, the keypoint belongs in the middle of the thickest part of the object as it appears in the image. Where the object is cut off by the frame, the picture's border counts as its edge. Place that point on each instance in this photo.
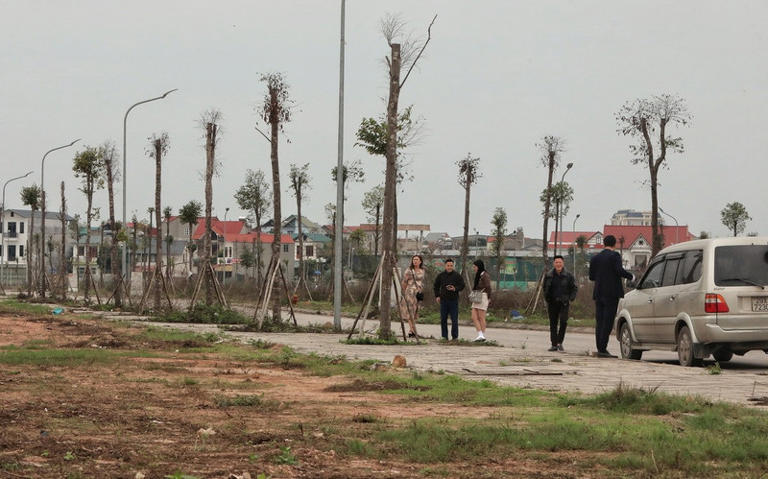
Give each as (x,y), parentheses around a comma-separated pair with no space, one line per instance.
(606,271)
(413,293)
(480,298)
(447,286)
(559,290)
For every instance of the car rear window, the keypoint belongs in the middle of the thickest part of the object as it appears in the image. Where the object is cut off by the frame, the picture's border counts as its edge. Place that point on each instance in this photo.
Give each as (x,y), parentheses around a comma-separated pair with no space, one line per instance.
(741,265)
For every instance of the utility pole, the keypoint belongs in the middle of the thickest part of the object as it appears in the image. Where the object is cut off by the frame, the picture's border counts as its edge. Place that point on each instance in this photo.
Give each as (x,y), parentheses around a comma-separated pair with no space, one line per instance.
(339,189)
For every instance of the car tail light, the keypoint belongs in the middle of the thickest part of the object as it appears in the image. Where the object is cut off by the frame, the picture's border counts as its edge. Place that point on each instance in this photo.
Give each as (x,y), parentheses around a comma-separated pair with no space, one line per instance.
(715,303)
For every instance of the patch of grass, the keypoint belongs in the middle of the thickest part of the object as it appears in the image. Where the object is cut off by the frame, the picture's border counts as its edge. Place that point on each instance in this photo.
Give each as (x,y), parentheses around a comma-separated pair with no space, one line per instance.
(38,344)
(249,400)
(58,357)
(357,447)
(365,418)
(375,341)
(201,313)
(16,306)
(465,342)
(714,369)
(180,339)
(286,456)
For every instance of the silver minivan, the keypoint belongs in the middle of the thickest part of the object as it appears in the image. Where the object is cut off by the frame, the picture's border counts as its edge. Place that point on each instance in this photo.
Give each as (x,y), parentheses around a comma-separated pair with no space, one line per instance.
(699,298)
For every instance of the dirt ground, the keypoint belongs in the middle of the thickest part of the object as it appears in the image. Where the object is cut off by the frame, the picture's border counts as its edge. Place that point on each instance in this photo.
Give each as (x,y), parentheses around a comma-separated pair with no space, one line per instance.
(166,414)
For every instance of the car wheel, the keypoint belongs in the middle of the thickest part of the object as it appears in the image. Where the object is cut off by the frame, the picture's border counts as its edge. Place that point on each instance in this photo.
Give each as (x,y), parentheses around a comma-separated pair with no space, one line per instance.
(685,348)
(722,355)
(625,341)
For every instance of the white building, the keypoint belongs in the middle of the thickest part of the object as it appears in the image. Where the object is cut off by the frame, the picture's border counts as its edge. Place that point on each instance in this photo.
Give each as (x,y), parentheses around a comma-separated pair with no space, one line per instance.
(15,230)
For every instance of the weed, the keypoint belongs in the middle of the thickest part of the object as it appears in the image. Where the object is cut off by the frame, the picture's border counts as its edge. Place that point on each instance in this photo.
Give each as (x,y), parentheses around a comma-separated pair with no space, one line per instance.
(714,369)
(371,340)
(57,357)
(365,418)
(179,475)
(189,382)
(358,448)
(465,342)
(69,456)
(253,457)
(261,344)
(240,401)
(286,457)
(201,313)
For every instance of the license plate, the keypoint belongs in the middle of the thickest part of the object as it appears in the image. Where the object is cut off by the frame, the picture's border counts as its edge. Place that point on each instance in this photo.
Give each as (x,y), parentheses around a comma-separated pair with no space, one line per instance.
(760,305)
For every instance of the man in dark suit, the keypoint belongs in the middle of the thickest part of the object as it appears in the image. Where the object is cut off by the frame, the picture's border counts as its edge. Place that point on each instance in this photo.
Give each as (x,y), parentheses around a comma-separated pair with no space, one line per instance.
(606,271)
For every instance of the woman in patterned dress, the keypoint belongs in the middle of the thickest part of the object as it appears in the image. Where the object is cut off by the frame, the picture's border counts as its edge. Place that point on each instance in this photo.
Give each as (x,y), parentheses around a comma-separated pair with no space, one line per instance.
(413,284)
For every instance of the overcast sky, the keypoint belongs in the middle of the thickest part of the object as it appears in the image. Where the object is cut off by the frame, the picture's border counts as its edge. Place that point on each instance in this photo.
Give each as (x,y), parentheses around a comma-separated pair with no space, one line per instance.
(496,77)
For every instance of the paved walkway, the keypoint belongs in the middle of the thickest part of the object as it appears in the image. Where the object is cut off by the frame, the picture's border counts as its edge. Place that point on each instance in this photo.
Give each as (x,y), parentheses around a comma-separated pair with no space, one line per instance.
(525,362)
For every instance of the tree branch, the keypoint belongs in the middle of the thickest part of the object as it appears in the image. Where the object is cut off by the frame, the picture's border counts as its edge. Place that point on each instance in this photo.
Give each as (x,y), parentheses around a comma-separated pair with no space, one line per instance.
(262,133)
(423,47)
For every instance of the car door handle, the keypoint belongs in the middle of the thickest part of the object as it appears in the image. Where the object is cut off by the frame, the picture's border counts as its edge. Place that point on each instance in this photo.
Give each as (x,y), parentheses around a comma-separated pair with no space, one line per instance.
(672,298)
(650,300)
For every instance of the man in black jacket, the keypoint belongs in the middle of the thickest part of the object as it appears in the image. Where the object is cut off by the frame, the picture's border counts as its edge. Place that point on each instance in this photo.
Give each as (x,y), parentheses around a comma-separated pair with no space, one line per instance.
(606,271)
(559,290)
(447,287)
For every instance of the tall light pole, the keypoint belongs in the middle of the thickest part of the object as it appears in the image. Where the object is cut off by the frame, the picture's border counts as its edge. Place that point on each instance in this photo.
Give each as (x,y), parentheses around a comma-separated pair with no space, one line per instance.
(677,225)
(573,229)
(557,209)
(3,254)
(42,216)
(338,234)
(125,173)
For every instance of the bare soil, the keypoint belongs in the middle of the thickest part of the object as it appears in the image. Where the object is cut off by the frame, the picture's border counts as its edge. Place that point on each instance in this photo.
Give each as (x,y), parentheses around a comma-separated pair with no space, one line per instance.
(167,413)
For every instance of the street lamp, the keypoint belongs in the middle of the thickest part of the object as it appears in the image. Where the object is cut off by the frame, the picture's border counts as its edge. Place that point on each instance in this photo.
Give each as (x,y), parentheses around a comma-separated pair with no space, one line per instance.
(573,229)
(125,175)
(3,254)
(677,225)
(42,215)
(557,209)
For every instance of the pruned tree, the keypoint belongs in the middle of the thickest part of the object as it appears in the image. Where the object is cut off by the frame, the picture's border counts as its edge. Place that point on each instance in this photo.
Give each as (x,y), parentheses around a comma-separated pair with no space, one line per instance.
(253,196)
(551,148)
(210,121)
(30,196)
(108,151)
(147,239)
(63,257)
(351,173)
(469,173)
(561,194)
(159,145)
(276,110)
(89,168)
(734,216)
(499,232)
(402,56)
(373,201)
(647,120)
(189,215)
(299,178)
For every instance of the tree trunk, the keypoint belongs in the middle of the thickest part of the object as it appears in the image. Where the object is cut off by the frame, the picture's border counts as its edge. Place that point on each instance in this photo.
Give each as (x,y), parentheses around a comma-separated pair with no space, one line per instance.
(158,239)
(377,233)
(113,246)
(62,260)
(465,243)
(101,257)
(301,237)
(30,256)
(88,217)
(276,217)
(210,147)
(42,241)
(390,185)
(259,251)
(547,205)
(656,245)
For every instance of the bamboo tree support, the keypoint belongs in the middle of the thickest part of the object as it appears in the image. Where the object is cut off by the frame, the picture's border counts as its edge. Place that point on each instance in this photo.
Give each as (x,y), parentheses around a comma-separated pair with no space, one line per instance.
(306,287)
(152,285)
(535,301)
(89,277)
(377,277)
(121,283)
(208,271)
(266,293)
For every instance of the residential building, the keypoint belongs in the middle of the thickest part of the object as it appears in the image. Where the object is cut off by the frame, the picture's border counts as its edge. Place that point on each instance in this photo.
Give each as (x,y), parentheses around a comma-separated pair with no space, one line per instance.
(634,242)
(314,245)
(632,218)
(290,226)
(569,239)
(14,226)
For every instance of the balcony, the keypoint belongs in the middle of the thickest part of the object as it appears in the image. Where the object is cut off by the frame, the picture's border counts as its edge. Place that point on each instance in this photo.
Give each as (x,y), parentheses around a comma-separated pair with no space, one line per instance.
(11,235)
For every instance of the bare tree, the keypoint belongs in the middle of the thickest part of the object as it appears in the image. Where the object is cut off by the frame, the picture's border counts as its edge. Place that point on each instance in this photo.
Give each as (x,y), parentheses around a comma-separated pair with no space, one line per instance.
(89,167)
(112,171)
(299,177)
(469,173)
(159,147)
(499,223)
(647,121)
(276,111)
(167,213)
(253,196)
(400,58)
(63,257)
(551,148)
(210,120)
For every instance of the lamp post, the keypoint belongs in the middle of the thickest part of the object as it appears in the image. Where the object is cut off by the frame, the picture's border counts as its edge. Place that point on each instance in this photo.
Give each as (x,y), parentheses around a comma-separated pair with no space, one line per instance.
(557,208)
(42,215)
(125,174)
(573,230)
(3,253)
(677,225)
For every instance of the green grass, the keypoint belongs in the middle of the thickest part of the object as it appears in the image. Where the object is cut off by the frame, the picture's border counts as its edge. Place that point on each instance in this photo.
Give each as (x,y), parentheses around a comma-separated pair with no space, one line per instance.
(11,355)
(201,313)
(16,306)
(371,340)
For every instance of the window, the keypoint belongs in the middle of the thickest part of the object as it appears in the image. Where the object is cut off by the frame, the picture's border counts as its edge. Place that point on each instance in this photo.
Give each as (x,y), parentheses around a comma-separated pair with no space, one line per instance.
(741,265)
(689,270)
(285,248)
(670,271)
(11,252)
(652,278)
(21,228)
(21,251)
(310,250)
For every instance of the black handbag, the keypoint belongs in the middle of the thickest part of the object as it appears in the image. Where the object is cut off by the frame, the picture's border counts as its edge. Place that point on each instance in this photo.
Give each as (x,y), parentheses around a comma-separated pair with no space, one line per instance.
(419,296)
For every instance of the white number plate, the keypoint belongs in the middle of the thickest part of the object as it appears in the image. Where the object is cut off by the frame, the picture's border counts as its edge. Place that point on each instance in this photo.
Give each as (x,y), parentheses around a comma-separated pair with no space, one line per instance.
(760,304)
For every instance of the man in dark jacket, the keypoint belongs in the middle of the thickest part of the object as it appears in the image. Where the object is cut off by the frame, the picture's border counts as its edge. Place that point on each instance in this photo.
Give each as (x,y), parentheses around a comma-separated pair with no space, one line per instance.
(559,290)
(447,287)
(606,271)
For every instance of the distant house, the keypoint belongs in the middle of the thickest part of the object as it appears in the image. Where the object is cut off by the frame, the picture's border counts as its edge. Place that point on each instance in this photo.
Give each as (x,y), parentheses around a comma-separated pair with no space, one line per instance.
(14,226)
(314,244)
(634,242)
(568,239)
(290,226)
